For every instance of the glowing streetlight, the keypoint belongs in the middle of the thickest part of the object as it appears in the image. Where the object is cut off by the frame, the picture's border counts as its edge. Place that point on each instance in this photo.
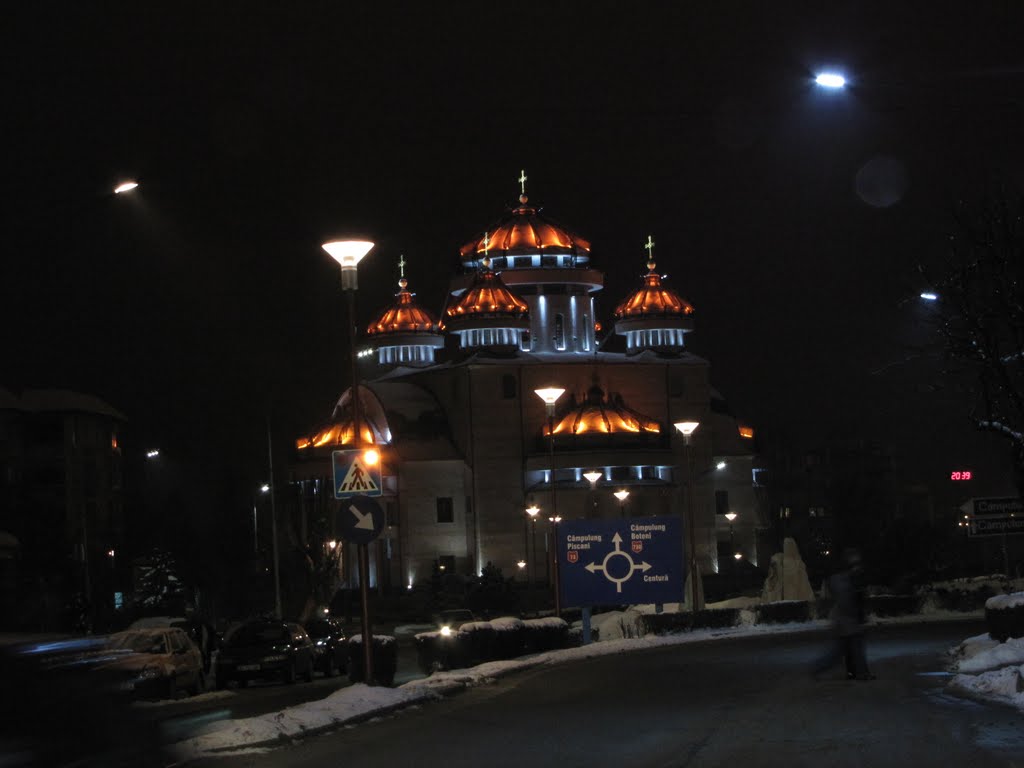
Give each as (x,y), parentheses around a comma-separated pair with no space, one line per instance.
(152,454)
(929,296)
(125,186)
(348,254)
(622,494)
(264,488)
(832,80)
(532,511)
(686,429)
(550,396)
(593,476)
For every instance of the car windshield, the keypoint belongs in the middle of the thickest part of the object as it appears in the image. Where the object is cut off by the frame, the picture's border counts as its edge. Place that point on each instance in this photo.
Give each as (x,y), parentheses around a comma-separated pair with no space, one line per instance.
(258,634)
(140,642)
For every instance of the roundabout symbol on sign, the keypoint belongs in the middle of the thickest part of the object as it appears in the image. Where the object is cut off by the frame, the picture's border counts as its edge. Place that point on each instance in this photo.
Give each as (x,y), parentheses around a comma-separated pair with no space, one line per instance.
(603,567)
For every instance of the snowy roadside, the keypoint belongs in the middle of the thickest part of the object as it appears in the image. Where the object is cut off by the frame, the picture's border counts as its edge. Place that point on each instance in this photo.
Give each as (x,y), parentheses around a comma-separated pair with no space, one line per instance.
(988,669)
(359,703)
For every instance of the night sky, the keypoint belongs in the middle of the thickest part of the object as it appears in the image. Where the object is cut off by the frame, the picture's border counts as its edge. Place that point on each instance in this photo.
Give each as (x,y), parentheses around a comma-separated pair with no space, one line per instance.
(791,218)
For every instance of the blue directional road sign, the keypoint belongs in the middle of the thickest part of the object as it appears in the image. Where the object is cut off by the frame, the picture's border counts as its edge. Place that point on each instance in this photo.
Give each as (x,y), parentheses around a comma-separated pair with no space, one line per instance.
(353,476)
(630,560)
(360,520)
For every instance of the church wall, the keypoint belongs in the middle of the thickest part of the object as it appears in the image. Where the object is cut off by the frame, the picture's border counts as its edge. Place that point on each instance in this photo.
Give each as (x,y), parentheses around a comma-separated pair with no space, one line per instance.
(423,538)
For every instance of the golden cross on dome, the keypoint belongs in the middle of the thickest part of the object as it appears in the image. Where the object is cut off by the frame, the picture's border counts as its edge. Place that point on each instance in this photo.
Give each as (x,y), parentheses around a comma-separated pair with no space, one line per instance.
(487,242)
(649,247)
(522,182)
(401,264)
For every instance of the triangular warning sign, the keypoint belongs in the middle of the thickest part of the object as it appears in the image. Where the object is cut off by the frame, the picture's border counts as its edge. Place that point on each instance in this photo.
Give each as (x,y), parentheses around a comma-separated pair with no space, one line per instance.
(357,480)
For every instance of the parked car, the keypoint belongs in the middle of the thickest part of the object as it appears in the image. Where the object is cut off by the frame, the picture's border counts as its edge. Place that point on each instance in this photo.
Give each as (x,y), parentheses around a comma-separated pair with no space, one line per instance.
(67,705)
(330,646)
(163,660)
(264,649)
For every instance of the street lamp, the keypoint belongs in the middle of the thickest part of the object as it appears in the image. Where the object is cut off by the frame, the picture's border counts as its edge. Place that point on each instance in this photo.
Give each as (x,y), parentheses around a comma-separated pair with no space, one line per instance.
(622,494)
(348,254)
(550,396)
(532,511)
(125,186)
(686,429)
(730,516)
(831,80)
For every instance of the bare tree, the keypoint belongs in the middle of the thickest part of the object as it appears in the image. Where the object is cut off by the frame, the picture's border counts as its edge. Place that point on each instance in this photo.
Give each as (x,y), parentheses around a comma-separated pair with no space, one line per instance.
(980,311)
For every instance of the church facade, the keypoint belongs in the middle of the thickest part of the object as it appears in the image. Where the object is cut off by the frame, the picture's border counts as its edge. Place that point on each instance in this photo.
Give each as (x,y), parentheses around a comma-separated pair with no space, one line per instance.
(468,445)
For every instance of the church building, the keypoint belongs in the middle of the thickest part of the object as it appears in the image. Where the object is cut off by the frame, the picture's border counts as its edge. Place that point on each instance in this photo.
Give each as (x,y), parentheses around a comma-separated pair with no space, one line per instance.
(516,399)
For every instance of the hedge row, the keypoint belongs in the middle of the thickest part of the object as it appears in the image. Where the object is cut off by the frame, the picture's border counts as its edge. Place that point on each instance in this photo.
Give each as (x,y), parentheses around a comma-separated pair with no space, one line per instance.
(495,640)
(384,659)
(660,623)
(1004,621)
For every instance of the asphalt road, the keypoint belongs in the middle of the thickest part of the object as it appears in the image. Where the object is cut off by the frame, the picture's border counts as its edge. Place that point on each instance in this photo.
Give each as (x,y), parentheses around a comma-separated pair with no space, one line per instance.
(726,702)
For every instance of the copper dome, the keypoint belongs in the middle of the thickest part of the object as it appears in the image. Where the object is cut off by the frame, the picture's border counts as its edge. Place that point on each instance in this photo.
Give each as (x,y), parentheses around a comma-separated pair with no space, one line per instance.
(653,299)
(404,316)
(525,230)
(598,414)
(489,298)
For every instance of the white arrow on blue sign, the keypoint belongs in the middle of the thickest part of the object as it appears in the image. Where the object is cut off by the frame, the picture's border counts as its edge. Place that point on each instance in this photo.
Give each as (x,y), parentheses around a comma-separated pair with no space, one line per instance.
(624,561)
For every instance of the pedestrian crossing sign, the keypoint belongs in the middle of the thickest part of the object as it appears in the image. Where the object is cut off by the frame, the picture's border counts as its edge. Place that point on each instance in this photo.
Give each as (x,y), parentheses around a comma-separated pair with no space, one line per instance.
(355,475)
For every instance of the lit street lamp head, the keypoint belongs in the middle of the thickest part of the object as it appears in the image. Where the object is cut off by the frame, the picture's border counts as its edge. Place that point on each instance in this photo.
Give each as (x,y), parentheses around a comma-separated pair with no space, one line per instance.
(686,428)
(730,516)
(348,253)
(621,494)
(125,186)
(593,476)
(832,80)
(533,510)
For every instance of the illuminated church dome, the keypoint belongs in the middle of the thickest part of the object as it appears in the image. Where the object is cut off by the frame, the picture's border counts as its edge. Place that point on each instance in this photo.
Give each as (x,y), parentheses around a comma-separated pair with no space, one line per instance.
(654,317)
(487,314)
(405,333)
(601,415)
(525,238)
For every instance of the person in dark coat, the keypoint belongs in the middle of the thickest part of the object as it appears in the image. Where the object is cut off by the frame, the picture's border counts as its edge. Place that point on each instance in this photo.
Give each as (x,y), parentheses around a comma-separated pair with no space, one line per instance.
(848,618)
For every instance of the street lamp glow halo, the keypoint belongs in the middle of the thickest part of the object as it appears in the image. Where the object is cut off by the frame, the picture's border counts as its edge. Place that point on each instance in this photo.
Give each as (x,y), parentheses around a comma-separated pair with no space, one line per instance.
(687,428)
(593,476)
(832,80)
(348,253)
(533,510)
(720,465)
(622,494)
(929,296)
(125,186)
(549,395)
(730,516)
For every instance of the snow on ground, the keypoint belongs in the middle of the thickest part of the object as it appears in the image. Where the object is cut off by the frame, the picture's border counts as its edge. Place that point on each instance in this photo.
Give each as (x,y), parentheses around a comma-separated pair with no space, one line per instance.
(988,669)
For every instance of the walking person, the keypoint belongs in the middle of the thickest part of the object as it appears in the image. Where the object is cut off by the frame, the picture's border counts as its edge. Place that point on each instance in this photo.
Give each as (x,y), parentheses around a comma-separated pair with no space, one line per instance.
(848,618)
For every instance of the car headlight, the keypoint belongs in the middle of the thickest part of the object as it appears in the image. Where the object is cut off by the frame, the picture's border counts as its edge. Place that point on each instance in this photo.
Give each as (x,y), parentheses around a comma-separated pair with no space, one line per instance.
(321,642)
(275,657)
(445,631)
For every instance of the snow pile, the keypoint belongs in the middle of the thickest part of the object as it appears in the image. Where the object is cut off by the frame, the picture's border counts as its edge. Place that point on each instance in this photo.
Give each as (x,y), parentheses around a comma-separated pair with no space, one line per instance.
(989,669)
(1004,602)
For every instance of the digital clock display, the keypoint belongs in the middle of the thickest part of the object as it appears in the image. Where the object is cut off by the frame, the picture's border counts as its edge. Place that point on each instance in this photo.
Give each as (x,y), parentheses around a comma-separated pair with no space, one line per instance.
(960,474)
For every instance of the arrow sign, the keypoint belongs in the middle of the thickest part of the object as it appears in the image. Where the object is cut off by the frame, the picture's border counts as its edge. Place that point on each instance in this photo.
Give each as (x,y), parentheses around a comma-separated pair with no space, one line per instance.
(359,520)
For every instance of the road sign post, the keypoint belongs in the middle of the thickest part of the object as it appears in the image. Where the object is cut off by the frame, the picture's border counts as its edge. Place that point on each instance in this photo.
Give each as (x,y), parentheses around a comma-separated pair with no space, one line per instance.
(360,521)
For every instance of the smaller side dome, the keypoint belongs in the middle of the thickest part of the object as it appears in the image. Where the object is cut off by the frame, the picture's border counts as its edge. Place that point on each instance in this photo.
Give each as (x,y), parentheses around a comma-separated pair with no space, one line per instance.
(654,317)
(405,333)
(488,313)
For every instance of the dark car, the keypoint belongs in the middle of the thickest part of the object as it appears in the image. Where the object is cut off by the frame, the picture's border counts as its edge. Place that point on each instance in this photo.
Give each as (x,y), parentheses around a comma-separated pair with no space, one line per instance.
(330,646)
(67,704)
(163,661)
(264,649)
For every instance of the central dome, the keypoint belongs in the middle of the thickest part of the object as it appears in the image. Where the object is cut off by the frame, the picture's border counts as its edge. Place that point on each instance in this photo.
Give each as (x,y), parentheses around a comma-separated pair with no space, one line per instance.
(525,231)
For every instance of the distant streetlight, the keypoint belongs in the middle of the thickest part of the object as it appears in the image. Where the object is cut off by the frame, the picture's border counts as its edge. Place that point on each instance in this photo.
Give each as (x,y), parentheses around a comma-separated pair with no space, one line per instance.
(125,186)
(831,80)
(720,465)
(520,564)
(264,488)
(929,296)
(152,454)
(593,476)
(532,511)
(622,494)
(348,254)
(550,396)
(686,429)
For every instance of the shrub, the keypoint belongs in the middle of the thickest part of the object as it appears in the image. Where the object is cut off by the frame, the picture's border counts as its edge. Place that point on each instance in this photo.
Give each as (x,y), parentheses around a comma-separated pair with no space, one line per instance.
(385,659)
(783,612)
(893,605)
(510,637)
(1004,616)
(546,634)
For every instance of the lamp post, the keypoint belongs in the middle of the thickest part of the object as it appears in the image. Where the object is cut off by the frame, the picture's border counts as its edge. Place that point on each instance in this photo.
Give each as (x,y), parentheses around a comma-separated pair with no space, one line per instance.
(731,516)
(550,396)
(532,511)
(592,477)
(622,494)
(348,254)
(686,429)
